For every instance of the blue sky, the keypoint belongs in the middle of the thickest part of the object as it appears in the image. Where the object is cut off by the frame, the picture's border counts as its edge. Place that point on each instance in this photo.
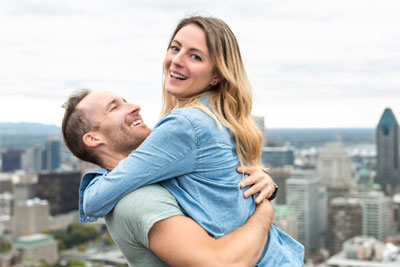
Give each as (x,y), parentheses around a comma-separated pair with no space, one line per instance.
(311,64)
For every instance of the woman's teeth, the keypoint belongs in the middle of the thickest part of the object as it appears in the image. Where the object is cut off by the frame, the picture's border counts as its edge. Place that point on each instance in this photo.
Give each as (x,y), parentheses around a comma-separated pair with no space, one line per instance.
(177,76)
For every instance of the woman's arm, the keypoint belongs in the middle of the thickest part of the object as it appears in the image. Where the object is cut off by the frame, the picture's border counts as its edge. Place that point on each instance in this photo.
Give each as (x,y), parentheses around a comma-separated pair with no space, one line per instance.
(169,151)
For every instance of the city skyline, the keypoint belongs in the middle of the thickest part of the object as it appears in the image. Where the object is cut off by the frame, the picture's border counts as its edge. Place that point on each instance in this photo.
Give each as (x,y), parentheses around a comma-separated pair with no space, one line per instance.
(312,64)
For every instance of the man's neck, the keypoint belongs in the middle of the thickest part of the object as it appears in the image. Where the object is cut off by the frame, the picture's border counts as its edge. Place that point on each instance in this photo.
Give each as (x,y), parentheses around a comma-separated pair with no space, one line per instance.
(111,159)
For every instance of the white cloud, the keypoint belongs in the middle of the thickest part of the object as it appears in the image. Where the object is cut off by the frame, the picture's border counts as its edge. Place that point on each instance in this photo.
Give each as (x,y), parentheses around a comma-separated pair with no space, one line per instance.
(301,56)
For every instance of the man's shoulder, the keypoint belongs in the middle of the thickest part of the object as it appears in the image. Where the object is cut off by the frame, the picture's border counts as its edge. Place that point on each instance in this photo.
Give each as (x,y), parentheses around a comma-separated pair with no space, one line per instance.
(150,202)
(150,193)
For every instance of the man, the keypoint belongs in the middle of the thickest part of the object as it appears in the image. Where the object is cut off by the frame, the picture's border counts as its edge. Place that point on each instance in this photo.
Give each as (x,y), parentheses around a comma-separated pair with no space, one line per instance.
(102,128)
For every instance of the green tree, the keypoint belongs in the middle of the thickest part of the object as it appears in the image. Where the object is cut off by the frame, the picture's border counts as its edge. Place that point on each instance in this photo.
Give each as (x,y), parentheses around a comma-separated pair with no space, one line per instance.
(4,246)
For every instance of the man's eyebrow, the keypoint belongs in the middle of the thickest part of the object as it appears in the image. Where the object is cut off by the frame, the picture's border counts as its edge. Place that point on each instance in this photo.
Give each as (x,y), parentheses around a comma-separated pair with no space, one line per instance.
(112,102)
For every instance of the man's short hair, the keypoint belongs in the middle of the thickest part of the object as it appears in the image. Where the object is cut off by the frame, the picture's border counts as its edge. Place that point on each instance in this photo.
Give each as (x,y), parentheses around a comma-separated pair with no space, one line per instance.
(75,125)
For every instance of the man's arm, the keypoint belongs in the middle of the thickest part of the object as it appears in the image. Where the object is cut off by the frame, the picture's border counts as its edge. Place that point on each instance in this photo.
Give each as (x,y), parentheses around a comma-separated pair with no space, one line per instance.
(180,241)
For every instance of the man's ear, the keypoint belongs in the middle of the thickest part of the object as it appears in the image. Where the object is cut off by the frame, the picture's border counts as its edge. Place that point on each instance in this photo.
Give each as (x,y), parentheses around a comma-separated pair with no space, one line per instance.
(92,140)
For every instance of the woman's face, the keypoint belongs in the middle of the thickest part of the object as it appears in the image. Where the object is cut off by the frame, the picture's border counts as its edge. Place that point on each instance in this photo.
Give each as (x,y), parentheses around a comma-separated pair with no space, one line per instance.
(187,65)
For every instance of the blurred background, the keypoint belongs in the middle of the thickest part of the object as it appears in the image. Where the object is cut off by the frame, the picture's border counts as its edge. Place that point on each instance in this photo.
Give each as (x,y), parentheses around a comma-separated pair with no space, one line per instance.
(325,77)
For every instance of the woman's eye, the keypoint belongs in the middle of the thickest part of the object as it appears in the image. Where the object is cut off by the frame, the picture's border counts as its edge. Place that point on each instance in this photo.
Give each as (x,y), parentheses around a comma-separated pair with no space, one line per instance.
(196,57)
(174,48)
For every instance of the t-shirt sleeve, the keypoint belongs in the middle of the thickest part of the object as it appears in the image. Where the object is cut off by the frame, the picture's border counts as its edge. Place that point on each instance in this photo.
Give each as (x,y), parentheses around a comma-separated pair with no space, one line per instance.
(136,213)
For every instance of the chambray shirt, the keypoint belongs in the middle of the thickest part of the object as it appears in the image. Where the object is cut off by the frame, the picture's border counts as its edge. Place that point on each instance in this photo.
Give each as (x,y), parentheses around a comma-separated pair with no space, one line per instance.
(196,162)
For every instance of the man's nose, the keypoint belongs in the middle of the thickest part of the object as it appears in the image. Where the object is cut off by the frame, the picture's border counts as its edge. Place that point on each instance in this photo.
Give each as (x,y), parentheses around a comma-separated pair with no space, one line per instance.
(131,108)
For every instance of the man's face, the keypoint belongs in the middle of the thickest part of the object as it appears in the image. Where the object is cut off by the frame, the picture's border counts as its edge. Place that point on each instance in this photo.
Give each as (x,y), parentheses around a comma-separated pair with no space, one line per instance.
(121,127)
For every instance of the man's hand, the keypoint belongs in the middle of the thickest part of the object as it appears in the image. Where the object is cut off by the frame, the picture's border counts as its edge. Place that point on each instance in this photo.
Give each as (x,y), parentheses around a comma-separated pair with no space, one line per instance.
(260,182)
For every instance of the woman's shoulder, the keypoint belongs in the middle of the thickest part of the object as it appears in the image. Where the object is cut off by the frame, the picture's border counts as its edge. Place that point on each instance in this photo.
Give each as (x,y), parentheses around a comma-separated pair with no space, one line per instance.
(197,117)
(190,113)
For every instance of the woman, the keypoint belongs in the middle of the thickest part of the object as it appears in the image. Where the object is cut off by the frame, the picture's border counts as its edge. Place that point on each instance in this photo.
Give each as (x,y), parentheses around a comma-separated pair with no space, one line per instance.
(206,122)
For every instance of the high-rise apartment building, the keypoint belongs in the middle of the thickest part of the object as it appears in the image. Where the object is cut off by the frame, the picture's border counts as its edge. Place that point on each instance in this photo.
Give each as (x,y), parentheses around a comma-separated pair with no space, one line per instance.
(344,222)
(260,122)
(5,183)
(31,160)
(302,195)
(61,189)
(11,160)
(377,210)
(280,175)
(38,247)
(277,156)
(31,216)
(286,219)
(24,187)
(388,157)
(52,154)
(396,212)
(334,165)
(6,204)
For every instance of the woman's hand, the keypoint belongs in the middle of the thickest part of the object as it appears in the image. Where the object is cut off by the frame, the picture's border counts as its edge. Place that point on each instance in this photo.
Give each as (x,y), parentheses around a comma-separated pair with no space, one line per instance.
(260,182)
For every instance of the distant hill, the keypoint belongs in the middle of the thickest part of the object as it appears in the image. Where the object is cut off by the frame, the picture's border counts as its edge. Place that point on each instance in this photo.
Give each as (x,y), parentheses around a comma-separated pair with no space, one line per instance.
(25,134)
(302,138)
(28,128)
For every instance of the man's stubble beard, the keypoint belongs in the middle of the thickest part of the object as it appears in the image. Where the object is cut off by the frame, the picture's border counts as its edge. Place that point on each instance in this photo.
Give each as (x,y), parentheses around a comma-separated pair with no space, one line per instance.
(125,142)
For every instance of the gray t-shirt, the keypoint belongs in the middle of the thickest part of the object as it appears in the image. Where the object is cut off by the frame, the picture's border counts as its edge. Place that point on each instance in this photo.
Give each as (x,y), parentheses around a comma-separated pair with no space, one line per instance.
(132,218)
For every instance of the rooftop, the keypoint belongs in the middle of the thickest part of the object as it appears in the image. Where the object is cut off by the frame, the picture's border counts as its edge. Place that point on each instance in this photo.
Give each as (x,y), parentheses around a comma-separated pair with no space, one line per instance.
(33,239)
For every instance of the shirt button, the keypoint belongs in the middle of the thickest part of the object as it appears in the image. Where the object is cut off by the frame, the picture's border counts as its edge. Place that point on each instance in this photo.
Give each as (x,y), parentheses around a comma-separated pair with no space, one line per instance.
(87,218)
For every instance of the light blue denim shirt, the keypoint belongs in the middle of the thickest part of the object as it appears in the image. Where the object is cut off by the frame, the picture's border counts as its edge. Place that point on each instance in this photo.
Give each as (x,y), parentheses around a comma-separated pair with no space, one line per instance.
(196,162)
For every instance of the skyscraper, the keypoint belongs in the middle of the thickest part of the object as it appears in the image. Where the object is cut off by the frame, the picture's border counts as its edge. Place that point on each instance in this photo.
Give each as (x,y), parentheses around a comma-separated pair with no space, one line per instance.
(52,154)
(302,195)
(376,213)
(61,189)
(12,160)
(334,165)
(260,122)
(344,221)
(388,157)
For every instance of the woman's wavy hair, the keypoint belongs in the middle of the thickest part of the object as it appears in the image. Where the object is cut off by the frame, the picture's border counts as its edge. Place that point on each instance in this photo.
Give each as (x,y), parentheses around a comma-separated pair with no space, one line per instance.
(230,101)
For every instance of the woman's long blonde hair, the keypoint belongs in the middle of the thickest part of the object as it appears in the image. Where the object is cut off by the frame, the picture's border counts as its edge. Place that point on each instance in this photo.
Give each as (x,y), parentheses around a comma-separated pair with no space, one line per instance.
(230,101)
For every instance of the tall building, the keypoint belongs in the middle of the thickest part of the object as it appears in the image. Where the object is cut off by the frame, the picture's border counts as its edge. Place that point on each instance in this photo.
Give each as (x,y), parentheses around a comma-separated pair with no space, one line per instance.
(38,247)
(31,160)
(52,154)
(286,219)
(31,216)
(302,195)
(24,186)
(396,212)
(334,165)
(260,122)
(344,221)
(11,160)
(61,189)
(277,156)
(6,204)
(388,157)
(377,214)
(335,191)
(280,175)
(5,183)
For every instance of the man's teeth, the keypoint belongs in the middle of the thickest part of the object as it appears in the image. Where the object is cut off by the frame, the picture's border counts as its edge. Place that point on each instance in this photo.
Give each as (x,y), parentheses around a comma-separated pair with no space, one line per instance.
(177,76)
(135,123)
